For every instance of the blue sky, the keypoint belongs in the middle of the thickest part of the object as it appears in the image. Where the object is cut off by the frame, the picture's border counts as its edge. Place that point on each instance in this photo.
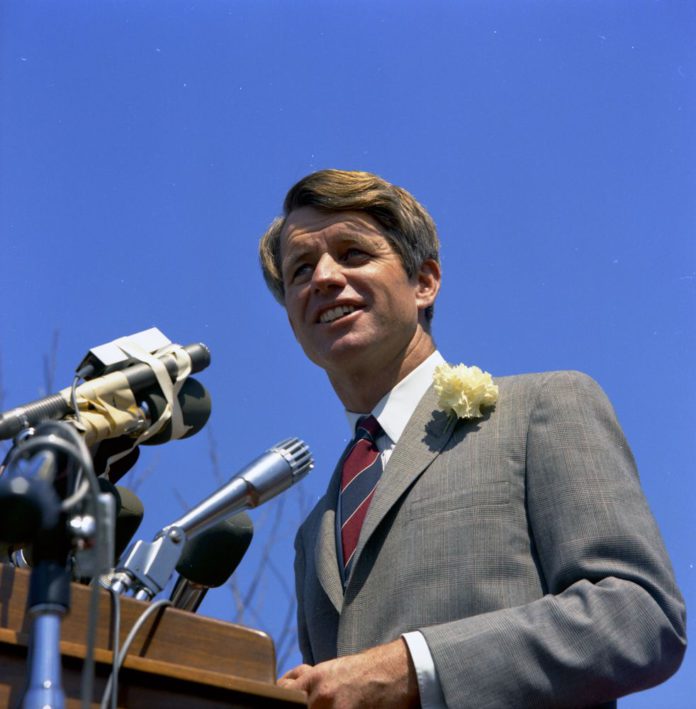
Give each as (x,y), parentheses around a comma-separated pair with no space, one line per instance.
(145,146)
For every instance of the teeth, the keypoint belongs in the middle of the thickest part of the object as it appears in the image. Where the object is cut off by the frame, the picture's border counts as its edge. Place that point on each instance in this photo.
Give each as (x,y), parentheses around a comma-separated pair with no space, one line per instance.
(335,313)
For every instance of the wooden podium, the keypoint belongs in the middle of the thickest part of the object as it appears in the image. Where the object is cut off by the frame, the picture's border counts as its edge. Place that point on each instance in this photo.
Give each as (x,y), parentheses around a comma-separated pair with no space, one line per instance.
(178,660)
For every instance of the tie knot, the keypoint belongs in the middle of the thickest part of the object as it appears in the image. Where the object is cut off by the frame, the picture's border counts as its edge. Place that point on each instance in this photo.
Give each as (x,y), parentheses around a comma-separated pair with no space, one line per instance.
(368,427)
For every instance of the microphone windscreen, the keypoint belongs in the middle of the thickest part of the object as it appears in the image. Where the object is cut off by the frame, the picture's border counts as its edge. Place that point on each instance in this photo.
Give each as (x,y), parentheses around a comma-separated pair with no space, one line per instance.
(129,516)
(27,507)
(25,548)
(195,404)
(110,447)
(211,556)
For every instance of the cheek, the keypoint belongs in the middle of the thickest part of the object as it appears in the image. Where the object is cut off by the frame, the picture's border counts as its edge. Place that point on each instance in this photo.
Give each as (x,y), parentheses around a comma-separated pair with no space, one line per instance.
(293,311)
(401,303)
(292,324)
(297,324)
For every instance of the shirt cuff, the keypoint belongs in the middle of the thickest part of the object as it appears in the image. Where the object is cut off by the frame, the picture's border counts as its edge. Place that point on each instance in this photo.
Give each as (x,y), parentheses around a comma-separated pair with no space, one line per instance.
(431,696)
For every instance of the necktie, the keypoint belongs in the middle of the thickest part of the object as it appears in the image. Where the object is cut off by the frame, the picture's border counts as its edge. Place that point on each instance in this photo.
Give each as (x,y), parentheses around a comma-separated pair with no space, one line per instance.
(360,474)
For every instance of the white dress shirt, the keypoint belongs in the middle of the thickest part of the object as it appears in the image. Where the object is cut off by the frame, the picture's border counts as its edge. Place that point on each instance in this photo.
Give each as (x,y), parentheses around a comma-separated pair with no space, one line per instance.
(393,412)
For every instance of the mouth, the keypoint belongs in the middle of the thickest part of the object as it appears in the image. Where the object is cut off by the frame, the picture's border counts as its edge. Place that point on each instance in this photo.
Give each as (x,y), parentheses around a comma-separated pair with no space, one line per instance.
(333,314)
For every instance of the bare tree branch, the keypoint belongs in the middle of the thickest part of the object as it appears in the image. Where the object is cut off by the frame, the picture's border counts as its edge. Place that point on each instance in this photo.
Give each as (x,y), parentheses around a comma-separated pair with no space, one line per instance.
(2,390)
(4,445)
(303,502)
(238,616)
(136,477)
(180,499)
(287,636)
(288,592)
(49,363)
(213,455)
(265,555)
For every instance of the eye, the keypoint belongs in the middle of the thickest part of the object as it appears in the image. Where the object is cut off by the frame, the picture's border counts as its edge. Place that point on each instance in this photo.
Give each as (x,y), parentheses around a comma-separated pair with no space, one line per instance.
(355,254)
(302,272)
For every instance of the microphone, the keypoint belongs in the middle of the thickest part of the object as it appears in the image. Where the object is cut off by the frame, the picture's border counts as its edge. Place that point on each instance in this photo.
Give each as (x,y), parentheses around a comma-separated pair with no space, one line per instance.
(148,566)
(209,559)
(196,406)
(32,488)
(139,377)
(129,515)
(270,474)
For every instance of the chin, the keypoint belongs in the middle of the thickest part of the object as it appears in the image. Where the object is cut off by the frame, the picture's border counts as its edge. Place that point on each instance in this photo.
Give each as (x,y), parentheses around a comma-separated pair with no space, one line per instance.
(339,355)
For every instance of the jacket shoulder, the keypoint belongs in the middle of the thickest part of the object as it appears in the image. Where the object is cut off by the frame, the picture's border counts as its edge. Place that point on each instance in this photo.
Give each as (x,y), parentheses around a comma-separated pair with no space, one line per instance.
(569,383)
(561,377)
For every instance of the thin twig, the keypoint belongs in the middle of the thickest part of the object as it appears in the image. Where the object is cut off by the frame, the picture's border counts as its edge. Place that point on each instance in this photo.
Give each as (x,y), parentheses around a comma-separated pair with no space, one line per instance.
(180,499)
(2,390)
(135,477)
(213,455)
(4,445)
(265,555)
(287,636)
(49,362)
(238,600)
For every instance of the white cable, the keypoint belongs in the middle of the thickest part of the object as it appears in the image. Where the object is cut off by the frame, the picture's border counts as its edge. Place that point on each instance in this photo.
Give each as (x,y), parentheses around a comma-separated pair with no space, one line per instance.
(82,491)
(73,398)
(87,469)
(115,634)
(113,677)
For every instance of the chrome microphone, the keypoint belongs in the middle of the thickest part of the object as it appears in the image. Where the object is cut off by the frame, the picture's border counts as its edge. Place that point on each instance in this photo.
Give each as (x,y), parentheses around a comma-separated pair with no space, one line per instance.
(148,566)
(270,474)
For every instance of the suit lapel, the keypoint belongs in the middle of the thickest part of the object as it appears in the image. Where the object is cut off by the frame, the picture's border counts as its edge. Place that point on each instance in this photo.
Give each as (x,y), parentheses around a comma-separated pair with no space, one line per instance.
(424,437)
(325,557)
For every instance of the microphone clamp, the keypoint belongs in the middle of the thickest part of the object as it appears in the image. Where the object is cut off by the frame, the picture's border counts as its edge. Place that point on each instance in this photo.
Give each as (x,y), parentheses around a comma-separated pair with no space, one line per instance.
(149,565)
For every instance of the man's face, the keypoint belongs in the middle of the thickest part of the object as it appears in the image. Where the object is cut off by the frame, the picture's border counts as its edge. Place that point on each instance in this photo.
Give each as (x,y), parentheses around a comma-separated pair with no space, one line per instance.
(347,295)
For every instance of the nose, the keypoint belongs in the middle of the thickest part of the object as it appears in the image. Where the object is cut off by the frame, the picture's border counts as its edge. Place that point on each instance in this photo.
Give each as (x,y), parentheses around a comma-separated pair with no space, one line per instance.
(327,274)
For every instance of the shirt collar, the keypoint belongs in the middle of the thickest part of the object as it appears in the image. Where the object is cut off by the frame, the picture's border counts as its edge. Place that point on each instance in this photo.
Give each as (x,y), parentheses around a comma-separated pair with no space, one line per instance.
(395,408)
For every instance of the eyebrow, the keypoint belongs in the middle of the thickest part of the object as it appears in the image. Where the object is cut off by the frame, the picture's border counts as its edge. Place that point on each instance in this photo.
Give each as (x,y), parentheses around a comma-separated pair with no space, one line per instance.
(353,233)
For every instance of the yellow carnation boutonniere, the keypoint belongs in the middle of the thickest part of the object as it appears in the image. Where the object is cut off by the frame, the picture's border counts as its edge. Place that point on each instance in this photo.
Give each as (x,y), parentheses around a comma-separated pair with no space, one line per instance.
(464,391)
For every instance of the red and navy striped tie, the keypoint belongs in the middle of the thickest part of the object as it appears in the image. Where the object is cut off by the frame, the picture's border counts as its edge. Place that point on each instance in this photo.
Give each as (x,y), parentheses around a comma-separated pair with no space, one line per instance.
(360,474)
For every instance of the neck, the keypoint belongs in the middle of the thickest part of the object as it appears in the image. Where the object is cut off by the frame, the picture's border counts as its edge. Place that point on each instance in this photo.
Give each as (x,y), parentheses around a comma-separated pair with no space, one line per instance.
(361,389)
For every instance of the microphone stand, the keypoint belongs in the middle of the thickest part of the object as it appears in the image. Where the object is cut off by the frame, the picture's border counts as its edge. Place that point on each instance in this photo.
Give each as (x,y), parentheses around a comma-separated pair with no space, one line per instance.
(49,596)
(49,601)
(187,595)
(30,494)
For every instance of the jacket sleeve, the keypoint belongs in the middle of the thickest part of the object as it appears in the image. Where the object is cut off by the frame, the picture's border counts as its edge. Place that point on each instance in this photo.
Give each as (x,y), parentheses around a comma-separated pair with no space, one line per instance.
(612,620)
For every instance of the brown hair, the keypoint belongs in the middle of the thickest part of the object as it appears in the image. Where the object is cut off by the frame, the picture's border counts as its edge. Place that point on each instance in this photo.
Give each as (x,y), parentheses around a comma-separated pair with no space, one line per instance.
(407,225)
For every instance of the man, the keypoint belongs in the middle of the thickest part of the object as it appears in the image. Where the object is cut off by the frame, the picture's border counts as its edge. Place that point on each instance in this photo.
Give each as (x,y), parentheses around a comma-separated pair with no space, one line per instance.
(507,560)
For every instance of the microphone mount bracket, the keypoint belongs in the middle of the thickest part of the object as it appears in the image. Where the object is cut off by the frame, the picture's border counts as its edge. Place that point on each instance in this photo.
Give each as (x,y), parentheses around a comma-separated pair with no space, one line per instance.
(149,565)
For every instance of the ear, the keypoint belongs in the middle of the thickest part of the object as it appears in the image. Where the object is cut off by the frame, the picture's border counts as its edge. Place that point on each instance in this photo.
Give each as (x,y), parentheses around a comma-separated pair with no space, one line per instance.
(428,281)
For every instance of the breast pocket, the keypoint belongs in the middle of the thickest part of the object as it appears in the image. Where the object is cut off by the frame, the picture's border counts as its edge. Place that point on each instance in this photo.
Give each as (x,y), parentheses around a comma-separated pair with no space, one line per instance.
(492,494)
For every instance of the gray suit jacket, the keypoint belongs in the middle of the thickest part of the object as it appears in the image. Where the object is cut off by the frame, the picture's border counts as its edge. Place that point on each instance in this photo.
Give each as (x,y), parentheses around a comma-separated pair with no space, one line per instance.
(520,544)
